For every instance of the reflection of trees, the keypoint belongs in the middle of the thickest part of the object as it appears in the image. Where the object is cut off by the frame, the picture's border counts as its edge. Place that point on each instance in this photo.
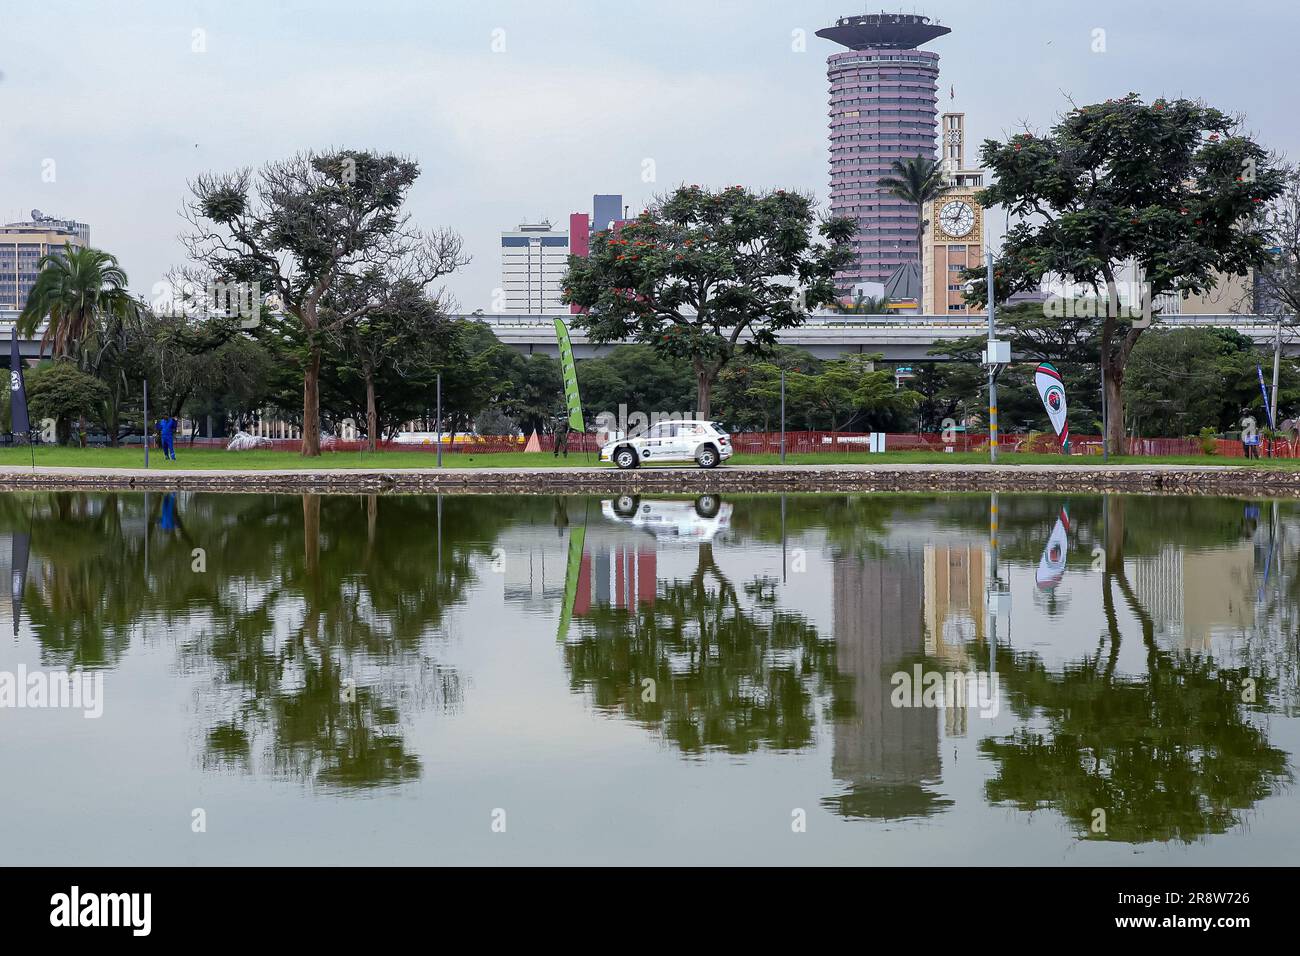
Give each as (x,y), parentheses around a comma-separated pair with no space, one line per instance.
(726,676)
(301,594)
(1171,755)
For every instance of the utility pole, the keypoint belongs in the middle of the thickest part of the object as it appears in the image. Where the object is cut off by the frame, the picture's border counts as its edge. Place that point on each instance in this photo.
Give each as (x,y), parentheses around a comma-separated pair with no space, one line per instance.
(783,416)
(996,355)
(146,423)
(438,435)
(1272,403)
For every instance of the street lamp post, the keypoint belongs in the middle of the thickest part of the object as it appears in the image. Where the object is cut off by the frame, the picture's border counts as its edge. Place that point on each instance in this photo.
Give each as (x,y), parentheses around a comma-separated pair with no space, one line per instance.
(996,354)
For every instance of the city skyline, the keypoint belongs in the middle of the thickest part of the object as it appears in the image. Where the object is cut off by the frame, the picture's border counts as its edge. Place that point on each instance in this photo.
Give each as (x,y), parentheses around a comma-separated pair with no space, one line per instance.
(559,110)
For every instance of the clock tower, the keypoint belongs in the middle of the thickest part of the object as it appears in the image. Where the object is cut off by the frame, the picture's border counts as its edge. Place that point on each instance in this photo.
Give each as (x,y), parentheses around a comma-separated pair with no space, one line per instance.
(954,238)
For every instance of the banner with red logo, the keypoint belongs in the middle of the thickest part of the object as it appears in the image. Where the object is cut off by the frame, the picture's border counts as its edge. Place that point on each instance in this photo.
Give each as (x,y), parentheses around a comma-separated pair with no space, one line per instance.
(1052,391)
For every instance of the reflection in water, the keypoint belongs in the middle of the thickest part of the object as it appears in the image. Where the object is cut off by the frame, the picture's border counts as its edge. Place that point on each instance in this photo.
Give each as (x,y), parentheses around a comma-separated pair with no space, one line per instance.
(1140,645)
(887,755)
(711,666)
(1172,753)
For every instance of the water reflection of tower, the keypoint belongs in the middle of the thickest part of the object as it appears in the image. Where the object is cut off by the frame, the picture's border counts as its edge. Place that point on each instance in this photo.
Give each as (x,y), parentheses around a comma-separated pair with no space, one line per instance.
(886,754)
(954,619)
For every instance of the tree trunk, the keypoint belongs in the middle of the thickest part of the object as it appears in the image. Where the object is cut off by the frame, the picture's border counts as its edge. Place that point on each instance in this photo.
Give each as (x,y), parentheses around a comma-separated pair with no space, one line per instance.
(703,385)
(372,414)
(311,537)
(1114,436)
(311,404)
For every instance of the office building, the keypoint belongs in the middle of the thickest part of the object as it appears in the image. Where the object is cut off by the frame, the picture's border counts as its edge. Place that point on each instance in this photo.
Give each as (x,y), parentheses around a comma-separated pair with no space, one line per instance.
(534,259)
(22,244)
(607,212)
(883,107)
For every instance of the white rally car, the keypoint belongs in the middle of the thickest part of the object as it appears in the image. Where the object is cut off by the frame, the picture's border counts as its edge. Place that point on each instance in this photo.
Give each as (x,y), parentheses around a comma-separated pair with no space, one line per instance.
(699,520)
(705,443)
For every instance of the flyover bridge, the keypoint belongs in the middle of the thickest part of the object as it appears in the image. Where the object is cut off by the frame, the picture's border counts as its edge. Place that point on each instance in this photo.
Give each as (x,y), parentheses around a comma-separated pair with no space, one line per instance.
(899,338)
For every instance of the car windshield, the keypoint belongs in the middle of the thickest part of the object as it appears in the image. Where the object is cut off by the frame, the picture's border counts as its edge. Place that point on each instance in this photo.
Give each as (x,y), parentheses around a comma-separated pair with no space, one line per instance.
(719,428)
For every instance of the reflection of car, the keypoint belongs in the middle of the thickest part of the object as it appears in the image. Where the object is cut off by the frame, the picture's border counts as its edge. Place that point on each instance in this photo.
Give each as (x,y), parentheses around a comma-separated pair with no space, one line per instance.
(697,520)
(705,443)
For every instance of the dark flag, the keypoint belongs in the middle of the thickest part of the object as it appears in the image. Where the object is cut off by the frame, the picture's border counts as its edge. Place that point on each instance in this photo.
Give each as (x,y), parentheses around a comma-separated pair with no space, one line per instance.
(18,422)
(21,545)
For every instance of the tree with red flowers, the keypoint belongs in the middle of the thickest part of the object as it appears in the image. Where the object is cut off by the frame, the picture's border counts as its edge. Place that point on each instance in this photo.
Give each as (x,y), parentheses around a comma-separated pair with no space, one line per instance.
(705,275)
(1173,186)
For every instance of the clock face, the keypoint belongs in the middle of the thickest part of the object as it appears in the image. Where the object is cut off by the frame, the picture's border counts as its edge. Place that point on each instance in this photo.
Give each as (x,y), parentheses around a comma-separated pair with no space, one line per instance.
(957,218)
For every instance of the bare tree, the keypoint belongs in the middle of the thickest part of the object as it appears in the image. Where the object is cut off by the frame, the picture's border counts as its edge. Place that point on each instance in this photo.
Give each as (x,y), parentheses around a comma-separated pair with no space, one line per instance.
(299,228)
(1279,281)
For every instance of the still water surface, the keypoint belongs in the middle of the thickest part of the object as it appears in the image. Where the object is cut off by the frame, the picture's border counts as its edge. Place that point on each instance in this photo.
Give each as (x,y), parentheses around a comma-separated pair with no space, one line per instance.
(865,679)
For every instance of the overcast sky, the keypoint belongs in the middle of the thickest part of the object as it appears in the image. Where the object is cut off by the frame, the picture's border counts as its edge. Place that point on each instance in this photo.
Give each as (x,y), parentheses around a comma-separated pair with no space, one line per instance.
(582,95)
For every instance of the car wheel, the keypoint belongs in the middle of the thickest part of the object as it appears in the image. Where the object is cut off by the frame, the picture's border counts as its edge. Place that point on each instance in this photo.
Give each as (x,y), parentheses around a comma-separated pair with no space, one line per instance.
(707,506)
(625,506)
(625,458)
(707,457)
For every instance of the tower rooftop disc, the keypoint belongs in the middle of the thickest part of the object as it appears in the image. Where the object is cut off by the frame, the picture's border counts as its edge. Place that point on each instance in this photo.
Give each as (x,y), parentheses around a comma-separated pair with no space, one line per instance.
(883,31)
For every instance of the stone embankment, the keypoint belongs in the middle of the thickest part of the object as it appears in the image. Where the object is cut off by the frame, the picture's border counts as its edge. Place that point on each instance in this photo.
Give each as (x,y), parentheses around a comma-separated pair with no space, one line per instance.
(1136,479)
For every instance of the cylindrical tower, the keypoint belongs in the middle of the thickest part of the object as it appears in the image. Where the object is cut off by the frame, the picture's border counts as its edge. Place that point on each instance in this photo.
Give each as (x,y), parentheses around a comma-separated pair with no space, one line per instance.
(883,107)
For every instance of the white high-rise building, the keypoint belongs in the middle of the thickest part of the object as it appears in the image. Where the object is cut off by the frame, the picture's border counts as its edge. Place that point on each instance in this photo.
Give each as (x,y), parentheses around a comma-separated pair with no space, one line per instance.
(22,244)
(534,259)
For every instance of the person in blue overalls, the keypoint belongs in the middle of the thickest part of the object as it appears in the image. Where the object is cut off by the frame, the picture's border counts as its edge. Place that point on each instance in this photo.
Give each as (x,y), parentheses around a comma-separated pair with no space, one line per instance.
(167,437)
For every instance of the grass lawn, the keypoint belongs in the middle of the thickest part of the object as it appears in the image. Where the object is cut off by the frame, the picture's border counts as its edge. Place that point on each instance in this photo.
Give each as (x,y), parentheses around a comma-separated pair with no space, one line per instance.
(215,458)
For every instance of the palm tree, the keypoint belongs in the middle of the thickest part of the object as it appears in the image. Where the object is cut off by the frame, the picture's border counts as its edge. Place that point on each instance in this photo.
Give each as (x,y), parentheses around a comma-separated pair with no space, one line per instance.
(916,180)
(864,304)
(78,289)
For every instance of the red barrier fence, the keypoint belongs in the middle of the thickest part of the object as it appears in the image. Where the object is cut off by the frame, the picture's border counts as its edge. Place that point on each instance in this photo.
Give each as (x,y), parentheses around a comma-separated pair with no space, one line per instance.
(817,442)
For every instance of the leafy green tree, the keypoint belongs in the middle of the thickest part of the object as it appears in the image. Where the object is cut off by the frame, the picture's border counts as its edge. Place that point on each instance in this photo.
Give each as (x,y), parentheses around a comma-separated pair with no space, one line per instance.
(639,377)
(482,377)
(61,391)
(1182,380)
(749,390)
(846,390)
(538,399)
(1172,186)
(307,227)
(703,275)
(949,392)
(916,180)
(401,342)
